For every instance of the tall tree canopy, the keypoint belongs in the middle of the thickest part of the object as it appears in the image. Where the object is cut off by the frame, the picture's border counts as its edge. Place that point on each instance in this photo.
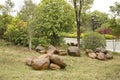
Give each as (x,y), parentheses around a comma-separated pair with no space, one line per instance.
(7,7)
(115,9)
(5,17)
(54,17)
(100,18)
(115,22)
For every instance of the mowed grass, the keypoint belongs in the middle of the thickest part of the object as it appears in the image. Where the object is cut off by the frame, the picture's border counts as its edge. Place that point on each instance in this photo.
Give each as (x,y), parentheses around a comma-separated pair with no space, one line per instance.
(12,66)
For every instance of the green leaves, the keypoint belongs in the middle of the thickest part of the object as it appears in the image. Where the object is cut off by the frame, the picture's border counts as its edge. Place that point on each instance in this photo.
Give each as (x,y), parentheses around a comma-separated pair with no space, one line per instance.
(114,23)
(54,16)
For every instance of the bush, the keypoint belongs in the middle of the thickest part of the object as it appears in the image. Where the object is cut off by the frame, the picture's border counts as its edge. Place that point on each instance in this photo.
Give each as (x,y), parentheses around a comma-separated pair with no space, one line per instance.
(108,36)
(69,35)
(16,32)
(93,40)
(40,41)
(104,30)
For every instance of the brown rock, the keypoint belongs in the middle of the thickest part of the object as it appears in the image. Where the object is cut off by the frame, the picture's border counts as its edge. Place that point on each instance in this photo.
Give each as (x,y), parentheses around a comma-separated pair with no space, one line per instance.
(40,63)
(101,56)
(88,51)
(43,51)
(109,56)
(73,51)
(40,49)
(68,44)
(62,52)
(92,55)
(51,50)
(57,60)
(44,56)
(102,50)
(29,61)
(54,66)
(72,44)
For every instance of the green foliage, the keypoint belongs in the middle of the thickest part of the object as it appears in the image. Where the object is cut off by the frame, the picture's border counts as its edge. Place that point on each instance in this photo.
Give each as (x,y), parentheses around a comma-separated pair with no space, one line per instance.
(4,21)
(115,21)
(7,7)
(100,18)
(27,11)
(16,33)
(115,9)
(54,17)
(40,41)
(93,40)
(114,24)
(108,36)
(5,17)
(69,35)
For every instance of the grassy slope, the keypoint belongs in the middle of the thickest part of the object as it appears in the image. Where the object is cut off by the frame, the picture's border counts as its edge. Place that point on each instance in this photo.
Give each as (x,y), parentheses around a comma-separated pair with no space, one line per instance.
(12,67)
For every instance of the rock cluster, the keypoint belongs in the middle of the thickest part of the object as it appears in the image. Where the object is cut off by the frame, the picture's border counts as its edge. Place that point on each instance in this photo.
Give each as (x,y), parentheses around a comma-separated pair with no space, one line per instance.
(42,50)
(47,61)
(99,53)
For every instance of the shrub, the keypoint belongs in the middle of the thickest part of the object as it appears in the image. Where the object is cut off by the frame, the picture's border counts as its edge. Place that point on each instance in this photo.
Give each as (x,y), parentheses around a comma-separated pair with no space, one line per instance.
(17,33)
(106,30)
(93,40)
(40,41)
(108,36)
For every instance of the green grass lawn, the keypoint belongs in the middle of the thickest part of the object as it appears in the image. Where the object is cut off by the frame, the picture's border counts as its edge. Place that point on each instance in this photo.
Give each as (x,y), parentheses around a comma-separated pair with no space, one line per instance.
(12,67)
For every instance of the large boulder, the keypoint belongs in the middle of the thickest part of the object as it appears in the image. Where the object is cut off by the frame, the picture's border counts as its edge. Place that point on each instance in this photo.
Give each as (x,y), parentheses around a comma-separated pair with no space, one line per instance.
(54,66)
(73,51)
(40,63)
(101,56)
(58,61)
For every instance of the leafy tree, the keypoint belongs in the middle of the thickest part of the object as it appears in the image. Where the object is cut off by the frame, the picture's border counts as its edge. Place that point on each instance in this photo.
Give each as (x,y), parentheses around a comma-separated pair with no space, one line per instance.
(115,22)
(80,6)
(27,14)
(100,18)
(16,32)
(115,9)
(5,16)
(54,17)
(7,8)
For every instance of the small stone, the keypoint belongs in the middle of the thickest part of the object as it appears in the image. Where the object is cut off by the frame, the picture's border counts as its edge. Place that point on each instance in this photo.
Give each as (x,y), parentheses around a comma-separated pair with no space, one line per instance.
(29,61)
(54,66)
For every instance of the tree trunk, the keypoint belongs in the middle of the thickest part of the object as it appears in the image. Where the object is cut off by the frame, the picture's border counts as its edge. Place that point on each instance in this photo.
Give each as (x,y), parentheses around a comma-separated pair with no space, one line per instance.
(30,42)
(78,16)
(30,37)
(78,34)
